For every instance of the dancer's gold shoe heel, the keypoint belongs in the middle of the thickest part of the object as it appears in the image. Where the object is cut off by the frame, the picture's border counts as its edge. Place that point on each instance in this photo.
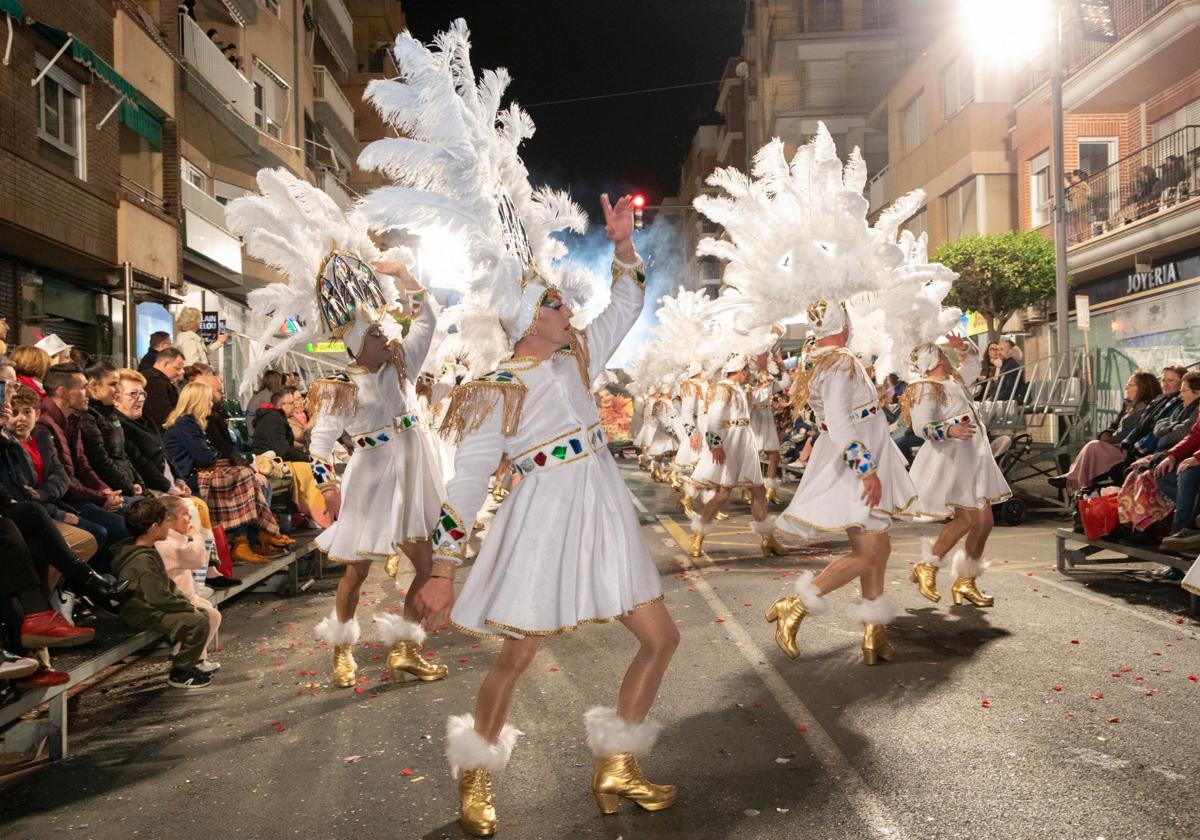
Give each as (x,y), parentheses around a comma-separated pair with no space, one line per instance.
(770,546)
(875,645)
(609,803)
(477,814)
(965,589)
(345,669)
(406,662)
(697,549)
(788,612)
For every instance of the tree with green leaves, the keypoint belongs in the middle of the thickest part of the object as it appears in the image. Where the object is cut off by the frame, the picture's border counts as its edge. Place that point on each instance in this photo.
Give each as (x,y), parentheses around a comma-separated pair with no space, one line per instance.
(999,273)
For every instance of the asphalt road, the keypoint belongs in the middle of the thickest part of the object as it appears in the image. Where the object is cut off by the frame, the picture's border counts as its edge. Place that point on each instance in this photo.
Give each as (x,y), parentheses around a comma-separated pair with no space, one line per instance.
(1068,710)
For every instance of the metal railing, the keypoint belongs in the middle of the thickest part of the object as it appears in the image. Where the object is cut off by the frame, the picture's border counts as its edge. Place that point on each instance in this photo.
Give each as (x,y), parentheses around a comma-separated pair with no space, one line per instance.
(326,89)
(143,194)
(1154,178)
(878,190)
(817,17)
(207,59)
(1128,17)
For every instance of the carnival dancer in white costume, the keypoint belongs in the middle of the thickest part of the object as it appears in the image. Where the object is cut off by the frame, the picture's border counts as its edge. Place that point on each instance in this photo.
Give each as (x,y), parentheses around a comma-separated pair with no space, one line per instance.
(765,384)
(730,459)
(955,473)
(391,492)
(565,549)
(798,242)
(662,441)
(646,430)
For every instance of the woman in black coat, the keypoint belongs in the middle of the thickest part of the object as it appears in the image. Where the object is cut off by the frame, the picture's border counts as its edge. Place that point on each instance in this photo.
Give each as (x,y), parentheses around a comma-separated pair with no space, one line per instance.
(143,442)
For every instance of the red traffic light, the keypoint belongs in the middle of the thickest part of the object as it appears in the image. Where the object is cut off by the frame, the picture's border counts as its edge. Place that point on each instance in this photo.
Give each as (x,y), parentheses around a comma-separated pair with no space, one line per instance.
(639,201)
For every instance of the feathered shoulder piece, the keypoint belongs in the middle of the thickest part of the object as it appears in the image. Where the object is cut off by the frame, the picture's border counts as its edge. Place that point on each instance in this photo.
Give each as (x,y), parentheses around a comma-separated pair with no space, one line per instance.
(337,394)
(919,391)
(471,403)
(692,388)
(832,360)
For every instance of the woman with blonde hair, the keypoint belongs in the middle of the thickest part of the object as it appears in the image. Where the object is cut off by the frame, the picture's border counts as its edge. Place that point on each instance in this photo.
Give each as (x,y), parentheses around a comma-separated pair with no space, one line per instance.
(234,497)
(188,340)
(31,364)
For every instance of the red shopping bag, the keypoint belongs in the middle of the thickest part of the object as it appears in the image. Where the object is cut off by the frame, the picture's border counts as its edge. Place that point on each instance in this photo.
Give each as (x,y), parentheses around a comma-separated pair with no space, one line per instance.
(223,554)
(1099,515)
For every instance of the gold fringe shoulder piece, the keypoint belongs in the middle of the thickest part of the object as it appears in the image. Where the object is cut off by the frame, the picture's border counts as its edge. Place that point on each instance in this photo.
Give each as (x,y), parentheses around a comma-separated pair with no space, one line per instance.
(917,392)
(838,359)
(336,395)
(718,392)
(471,403)
(691,388)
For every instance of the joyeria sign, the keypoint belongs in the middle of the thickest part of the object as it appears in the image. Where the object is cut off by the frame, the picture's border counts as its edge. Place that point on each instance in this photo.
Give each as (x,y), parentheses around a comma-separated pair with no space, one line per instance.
(1160,275)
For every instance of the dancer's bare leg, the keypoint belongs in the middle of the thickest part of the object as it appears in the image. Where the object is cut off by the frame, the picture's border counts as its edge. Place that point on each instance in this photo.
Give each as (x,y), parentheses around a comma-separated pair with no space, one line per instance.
(709,511)
(496,692)
(758,503)
(865,549)
(772,464)
(981,529)
(420,554)
(953,531)
(658,635)
(877,548)
(346,599)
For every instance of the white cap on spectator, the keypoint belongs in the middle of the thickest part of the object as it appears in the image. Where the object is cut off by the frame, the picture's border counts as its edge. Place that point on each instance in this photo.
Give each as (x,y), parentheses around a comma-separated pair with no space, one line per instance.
(52,344)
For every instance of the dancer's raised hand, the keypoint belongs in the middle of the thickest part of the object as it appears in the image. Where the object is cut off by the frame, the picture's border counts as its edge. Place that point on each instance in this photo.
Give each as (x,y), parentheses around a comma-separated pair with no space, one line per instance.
(618,226)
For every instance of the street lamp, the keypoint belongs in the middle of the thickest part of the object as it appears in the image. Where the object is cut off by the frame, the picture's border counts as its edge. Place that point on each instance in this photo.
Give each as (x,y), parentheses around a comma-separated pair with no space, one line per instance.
(1015,32)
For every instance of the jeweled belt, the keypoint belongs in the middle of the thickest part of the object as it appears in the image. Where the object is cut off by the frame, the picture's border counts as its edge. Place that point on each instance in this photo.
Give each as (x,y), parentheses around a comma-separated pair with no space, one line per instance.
(571,447)
(378,437)
(730,424)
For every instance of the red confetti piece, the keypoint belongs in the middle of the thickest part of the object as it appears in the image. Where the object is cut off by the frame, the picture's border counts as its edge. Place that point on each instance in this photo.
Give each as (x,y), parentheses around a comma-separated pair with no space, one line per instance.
(1150,692)
(1179,621)
(1029,574)
(1114,720)
(1116,676)
(475,645)
(1097,696)
(987,704)
(358,689)
(300,692)
(554,668)
(278,662)
(1126,670)
(801,728)
(462,659)
(406,772)
(1193,678)
(1070,714)
(1056,688)
(279,727)
(1157,653)
(1139,678)
(720,620)
(1074,641)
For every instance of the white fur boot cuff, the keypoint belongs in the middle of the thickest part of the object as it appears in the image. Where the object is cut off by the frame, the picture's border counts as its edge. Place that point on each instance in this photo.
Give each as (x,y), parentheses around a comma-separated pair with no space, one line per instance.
(395,628)
(812,598)
(466,749)
(699,527)
(927,555)
(764,528)
(333,632)
(878,611)
(608,733)
(971,567)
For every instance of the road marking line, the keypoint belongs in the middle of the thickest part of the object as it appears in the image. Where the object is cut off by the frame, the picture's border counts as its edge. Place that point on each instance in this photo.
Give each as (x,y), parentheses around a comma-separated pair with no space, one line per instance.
(869,807)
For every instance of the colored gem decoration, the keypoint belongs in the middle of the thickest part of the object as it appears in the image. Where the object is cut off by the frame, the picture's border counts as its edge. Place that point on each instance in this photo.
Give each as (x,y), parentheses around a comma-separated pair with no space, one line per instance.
(859,458)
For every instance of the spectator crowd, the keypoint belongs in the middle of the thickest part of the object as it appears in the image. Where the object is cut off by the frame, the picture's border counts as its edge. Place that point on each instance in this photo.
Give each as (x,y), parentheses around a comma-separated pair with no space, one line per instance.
(133,492)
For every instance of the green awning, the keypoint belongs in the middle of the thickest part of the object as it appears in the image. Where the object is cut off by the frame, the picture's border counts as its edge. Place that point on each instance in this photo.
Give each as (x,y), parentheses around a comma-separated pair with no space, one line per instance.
(11,8)
(136,111)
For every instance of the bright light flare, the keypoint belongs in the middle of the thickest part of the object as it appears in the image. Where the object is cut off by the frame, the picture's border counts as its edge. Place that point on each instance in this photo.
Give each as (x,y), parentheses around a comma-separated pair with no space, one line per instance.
(441,261)
(1011,32)
(639,201)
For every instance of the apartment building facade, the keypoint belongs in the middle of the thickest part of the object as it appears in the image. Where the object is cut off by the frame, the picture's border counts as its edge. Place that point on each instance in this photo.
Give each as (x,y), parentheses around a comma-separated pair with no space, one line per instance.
(1131,98)
(117,165)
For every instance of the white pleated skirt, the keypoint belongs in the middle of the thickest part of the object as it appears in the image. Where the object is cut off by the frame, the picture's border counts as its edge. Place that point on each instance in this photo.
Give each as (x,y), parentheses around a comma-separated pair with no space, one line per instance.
(951,474)
(390,495)
(741,467)
(565,549)
(762,423)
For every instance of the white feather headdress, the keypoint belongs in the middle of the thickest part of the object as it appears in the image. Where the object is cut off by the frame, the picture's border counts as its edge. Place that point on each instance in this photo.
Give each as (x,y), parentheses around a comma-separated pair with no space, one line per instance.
(331,291)
(457,169)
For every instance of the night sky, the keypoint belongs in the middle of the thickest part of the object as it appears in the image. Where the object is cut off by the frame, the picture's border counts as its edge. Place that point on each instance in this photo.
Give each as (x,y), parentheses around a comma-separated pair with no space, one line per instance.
(569,48)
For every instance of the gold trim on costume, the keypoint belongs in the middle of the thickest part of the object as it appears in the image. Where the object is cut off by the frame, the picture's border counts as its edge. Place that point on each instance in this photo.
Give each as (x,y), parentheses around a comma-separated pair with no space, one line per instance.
(471,403)
(988,501)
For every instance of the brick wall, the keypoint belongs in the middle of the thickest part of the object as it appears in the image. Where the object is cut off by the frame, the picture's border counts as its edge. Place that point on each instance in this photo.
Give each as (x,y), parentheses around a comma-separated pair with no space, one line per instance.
(38,195)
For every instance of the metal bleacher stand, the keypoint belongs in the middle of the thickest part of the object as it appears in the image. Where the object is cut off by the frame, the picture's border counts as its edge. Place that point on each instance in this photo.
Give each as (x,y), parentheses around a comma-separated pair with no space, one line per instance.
(115,642)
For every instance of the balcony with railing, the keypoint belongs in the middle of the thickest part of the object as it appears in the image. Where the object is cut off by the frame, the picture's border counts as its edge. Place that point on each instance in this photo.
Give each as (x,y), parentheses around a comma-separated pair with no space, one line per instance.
(827,96)
(336,189)
(204,229)
(335,29)
(206,59)
(817,18)
(1148,45)
(1157,182)
(333,109)
(879,190)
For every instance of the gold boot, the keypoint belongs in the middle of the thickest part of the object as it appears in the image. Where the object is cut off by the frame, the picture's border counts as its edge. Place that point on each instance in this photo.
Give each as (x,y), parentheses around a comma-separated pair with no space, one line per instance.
(966,590)
(392,565)
(924,575)
(721,516)
(618,776)
(770,546)
(406,662)
(676,484)
(477,814)
(746,497)
(772,496)
(345,669)
(788,612)
(875,644)
(685,502)
(697,549)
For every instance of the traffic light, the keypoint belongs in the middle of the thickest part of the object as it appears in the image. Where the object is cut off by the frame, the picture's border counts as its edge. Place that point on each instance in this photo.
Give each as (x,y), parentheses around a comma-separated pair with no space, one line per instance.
(639,205)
